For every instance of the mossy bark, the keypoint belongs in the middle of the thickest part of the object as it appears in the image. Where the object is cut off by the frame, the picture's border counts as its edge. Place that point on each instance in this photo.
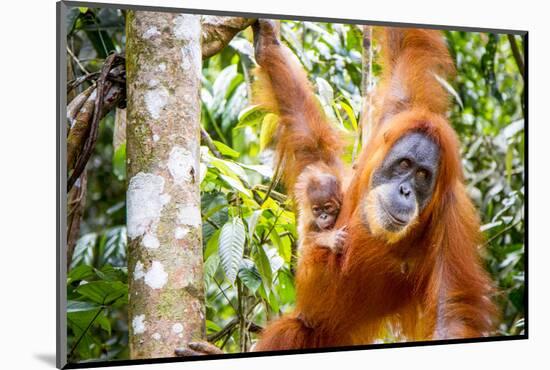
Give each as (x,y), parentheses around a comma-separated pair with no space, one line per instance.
(165,262)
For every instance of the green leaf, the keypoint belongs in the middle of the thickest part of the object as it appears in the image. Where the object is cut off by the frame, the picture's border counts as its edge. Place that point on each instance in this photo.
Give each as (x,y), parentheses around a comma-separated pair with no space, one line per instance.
(351,115)
(252,222)
(275,260)
(211,266)
(250,276)
(84,250)
(230,168)
(225,150)
(251,116)
(274,302)
(236,184)
(263,170)
(212,327)
(104,323)
(269,125)
(72,16)
(103,292)
(231,247)
(110,273)
(81,272)
(77,306)
(509,162)
(212,245)
(264,267)
(79,322)
(285,288)
(119,162)
(325,91)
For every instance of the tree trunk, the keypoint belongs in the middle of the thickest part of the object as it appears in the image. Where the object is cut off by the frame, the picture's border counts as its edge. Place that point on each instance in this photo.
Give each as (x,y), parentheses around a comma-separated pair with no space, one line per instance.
(165,262)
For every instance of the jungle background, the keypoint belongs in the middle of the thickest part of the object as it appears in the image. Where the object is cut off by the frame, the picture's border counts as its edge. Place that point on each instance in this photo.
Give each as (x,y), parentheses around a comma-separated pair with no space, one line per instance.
(249,232)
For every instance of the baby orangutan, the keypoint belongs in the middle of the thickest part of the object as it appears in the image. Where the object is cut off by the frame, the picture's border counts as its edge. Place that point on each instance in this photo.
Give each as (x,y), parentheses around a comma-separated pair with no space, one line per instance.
(318,193)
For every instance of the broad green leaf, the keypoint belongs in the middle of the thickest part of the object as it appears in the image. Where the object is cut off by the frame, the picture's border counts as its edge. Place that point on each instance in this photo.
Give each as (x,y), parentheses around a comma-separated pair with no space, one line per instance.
(221,88)
(231,247)
(84,250)
(212,245)
(211,265)
(81,272)
(236,184)
(110,273)
(252,222)
(225,150)
(212,327)
(269,125)
(76,306)
(251,116)
(325,91)
(509,160)
(230,168)
(119,162)
(285,287)
(103,292)
(275,260)
(264,267)
(263,170)
(250,276)
(274,302)
(351,115)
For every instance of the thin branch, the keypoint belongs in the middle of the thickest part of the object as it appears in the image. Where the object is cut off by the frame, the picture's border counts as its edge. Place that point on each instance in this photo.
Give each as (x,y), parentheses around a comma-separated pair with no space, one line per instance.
(92,76)
(264,237)
(517,55)
(206,139)
(225,295)
(281,198)
(80,80)
(212,338)
(274,182)
(503,231)
(77,61)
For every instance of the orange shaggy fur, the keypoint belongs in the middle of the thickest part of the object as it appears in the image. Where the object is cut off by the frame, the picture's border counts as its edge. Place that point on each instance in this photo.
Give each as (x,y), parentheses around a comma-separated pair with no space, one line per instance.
(428,285)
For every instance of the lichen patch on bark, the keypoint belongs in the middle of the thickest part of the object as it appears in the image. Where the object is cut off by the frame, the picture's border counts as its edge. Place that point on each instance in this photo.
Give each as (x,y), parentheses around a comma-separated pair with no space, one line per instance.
(138,324)
(156,277)
(181,165)
(155,101)
(188,215)
(185,27)
(145,201)
(180,232)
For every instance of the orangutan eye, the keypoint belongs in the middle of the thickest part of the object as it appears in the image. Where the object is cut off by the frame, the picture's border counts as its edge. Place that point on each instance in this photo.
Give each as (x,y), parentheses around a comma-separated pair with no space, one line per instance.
(405,164)
(421,175)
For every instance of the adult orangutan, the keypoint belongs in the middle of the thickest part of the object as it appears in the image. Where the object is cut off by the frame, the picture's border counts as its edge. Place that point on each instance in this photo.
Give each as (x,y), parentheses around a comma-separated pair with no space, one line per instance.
(409,262)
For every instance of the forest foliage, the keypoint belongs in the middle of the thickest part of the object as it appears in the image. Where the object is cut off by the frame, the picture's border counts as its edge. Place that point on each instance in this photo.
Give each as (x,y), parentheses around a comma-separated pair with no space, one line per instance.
(249,230)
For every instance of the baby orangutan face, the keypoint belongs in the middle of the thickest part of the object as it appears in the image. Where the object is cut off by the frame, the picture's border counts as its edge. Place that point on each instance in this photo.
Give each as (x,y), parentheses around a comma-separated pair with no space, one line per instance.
(325,197)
